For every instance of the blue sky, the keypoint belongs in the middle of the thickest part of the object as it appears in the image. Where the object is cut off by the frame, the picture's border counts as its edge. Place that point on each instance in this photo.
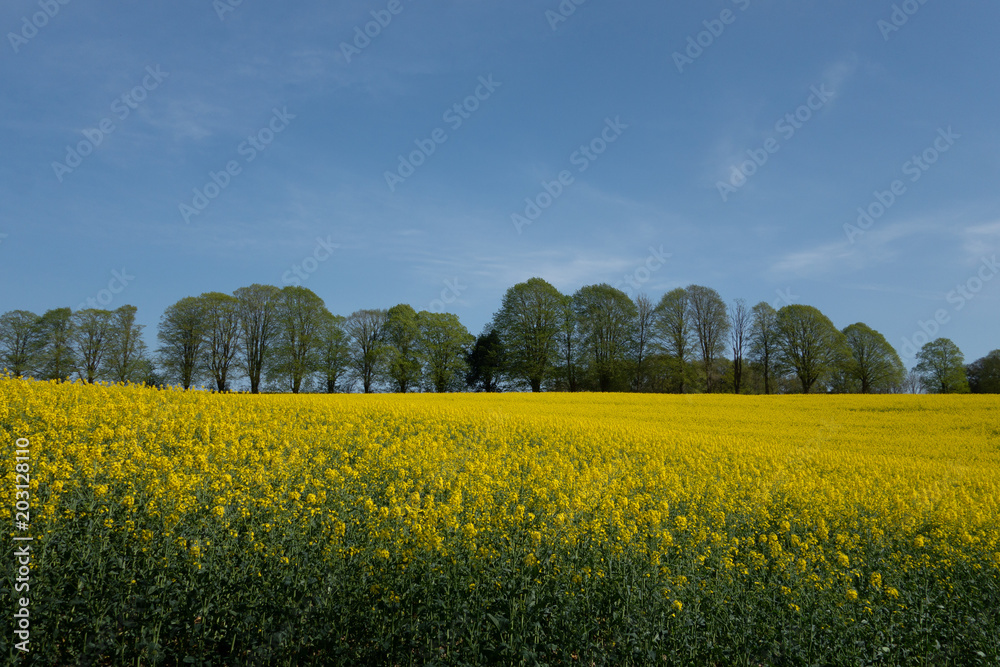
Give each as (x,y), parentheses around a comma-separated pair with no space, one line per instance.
(721,143)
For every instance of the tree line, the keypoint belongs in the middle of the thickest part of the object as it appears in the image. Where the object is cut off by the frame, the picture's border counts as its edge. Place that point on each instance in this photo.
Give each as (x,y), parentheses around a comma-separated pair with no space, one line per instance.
(265,338)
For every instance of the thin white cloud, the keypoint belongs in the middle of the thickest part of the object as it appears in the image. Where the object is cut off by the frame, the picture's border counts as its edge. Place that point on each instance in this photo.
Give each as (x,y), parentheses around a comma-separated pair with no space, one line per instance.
(730,150)
(877,245)
(981,241)
(987,229)
(838,74)
(817,260)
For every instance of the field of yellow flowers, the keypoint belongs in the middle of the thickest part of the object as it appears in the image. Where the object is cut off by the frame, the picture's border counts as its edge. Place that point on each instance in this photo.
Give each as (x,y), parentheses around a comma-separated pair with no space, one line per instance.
(193,528)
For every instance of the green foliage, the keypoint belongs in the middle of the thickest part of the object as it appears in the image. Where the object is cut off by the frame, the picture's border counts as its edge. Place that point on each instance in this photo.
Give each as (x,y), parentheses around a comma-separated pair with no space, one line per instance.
(442,345)
(334,353)
(126,357)
(300,317)
(941,366)
(528,323)
(401,335)
(808,344)
(366,331)
(486,363)
(764,342)
(710,322)
(91,334)
(645,320)
(673,329)
(606,320)
(984,374)
(740,320)
(56,358)
(873,364)
(181,333)
(221,336)
(567,371)
(596,340)
(257,308)
(20,342)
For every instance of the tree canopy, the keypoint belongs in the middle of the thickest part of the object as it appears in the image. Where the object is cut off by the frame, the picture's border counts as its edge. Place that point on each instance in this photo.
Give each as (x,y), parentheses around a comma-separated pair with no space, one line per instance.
(808,344)
(528,323)
(264,338)
(941,366)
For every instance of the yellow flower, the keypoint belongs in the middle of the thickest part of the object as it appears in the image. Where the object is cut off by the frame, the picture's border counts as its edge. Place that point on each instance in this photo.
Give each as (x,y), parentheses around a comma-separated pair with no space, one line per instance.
(700,492)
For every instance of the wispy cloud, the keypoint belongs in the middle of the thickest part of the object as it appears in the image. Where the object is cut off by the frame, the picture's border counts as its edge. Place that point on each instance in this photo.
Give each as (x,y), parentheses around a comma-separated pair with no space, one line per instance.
(839,74)
(980,240)
(879,245)
(756,120)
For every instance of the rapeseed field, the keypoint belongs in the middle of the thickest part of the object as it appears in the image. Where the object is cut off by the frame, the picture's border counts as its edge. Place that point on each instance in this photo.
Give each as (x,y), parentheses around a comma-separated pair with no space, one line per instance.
(176,527)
